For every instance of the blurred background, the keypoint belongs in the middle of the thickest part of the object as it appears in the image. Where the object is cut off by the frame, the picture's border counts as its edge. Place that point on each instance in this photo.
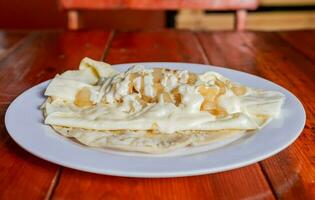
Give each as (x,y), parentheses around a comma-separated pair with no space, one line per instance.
(55,14)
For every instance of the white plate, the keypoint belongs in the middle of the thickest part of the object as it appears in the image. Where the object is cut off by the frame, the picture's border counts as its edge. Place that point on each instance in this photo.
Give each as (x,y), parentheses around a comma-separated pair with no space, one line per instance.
(24,122)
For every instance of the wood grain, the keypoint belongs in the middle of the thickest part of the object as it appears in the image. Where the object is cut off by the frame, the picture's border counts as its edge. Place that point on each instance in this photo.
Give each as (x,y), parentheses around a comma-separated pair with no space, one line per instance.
(228,185)
(302,41)
(286,58)
(45,55)
(247,182)
(291,172)
(39,58)
(10,41)
(151,46)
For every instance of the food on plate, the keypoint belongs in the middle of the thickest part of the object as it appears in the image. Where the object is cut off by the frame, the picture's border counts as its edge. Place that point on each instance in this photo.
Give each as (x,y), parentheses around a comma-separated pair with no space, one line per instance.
(153,110)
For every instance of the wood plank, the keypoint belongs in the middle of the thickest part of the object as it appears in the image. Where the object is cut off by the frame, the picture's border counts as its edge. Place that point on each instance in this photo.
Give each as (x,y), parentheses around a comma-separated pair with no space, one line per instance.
(63,52)
(303,41)
(9,41)
(228,185)
(159,4)
(226,49)
(291,172)
(247,182)
(39,58)
(151,46)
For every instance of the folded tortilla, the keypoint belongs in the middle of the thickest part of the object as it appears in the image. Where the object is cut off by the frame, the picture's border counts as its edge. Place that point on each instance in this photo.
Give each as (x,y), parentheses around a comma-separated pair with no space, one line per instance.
(100,107)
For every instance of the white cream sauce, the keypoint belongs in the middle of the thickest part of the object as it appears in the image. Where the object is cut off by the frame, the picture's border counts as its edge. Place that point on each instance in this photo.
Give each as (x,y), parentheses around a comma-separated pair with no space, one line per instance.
(129,113)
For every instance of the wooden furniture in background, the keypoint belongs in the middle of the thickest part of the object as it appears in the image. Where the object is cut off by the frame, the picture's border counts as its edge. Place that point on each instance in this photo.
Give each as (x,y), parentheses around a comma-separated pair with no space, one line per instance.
(45,14)
(278,15)
(287,58)
(286,2)
(73,7)
(261,21)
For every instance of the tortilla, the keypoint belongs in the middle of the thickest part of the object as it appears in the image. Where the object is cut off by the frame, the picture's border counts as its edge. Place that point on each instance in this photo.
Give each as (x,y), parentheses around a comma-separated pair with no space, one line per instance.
(154,110)
(144,141)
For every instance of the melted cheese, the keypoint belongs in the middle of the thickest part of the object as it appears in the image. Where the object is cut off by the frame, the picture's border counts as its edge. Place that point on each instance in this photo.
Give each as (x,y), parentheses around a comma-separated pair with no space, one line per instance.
(167,100)
(148,85)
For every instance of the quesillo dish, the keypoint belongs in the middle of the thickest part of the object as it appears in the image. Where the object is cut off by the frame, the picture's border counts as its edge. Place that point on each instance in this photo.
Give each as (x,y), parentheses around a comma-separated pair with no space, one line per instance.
(153,110)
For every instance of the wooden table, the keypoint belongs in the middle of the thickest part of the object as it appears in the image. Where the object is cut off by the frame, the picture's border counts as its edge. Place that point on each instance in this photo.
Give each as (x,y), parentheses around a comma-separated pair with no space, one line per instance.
(286,58)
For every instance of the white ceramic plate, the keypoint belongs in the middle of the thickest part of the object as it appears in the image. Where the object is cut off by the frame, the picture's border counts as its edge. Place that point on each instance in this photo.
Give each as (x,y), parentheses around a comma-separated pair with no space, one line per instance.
(24,122)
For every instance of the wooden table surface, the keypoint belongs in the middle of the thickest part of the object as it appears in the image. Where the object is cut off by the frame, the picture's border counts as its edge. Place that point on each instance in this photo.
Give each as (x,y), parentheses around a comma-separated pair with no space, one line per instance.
(286,58)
